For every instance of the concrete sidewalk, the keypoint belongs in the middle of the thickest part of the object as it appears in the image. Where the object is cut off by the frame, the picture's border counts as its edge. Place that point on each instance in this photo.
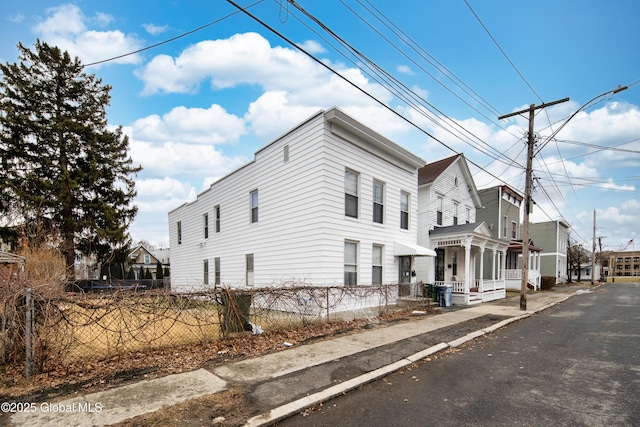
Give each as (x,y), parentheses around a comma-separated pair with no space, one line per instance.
(289,381)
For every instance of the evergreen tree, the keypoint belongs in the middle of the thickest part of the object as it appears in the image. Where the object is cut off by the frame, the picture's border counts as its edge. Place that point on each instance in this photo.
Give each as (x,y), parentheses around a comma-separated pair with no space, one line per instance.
(141,273)
(147,274)
(131,275)
(167,272)
(58,160)
(159,275)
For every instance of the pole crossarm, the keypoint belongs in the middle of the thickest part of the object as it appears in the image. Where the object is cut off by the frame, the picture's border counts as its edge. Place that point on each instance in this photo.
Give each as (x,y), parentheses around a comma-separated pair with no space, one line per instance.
(533,107)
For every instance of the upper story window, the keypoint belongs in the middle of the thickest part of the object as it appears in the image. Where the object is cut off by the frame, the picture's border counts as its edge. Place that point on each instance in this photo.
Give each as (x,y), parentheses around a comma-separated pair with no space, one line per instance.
(468,219)
(205,271)
(456,209)
(378,202)
(514,230)
(205,224)
(439,208)
(217,212)
(404,210)
(504,227)
(455,181)
(147,259)
(179,227)
(351,194)
(286,153)
(254,206)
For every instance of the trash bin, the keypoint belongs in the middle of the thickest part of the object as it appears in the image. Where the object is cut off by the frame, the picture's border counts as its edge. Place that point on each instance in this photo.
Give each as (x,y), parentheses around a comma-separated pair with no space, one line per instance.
(448,294)
(441,295)
(427,290)
(237,308)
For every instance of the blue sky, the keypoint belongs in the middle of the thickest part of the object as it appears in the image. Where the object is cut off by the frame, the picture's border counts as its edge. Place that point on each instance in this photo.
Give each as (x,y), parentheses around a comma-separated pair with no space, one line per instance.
(198,107)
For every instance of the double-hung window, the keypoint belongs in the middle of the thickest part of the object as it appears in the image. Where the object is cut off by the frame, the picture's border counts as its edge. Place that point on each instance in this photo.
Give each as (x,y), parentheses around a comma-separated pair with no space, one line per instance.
(249,269)
(179,227)
(351,194)
(378,202)
(456,209)
(404,210)
(350,263)
(217,213)
(205,224)
(205,272)
(254,206)
(439,208)
(376,263)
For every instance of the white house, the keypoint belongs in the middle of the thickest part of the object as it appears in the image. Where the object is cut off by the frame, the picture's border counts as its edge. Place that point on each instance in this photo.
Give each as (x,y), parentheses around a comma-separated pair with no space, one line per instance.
(447,204)
(330,202)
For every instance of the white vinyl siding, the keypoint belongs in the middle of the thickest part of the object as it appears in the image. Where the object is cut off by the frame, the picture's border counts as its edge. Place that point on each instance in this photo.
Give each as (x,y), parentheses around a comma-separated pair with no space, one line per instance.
(302,223)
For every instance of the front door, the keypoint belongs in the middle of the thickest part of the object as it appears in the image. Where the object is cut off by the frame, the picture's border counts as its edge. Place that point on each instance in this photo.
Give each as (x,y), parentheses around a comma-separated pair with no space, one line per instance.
(405,269)
(439,265)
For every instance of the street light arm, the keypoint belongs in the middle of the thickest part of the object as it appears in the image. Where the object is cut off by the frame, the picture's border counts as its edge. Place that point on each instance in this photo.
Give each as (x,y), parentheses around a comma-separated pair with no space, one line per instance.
(585,105)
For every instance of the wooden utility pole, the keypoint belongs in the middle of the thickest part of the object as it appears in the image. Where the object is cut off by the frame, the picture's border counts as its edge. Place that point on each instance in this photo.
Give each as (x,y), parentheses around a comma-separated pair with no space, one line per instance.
(528,201)
(593,251)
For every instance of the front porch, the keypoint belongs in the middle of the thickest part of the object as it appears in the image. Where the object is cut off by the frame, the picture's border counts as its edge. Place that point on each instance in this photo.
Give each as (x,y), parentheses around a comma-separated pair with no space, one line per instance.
(471,261)
(513,267)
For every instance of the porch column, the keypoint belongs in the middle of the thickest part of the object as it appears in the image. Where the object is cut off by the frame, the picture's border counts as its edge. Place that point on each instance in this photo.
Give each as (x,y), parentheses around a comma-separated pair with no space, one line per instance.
(481,278)
(493,264)
(503,265)
(467,266)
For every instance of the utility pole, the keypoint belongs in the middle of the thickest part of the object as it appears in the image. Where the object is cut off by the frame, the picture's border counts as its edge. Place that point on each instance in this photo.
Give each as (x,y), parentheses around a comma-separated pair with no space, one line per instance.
(600,254)
(593,251)
(527,194)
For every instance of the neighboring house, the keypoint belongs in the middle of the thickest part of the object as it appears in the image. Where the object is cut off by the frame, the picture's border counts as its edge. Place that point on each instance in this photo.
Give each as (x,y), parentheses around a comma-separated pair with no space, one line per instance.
(621,263)
(500,210)
(447,204)
(143,259)
(86,267)
(553,236)
(331,202)
(585,272)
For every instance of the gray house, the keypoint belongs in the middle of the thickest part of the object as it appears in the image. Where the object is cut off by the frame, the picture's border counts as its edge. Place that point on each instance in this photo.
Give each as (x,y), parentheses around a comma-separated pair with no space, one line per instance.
(501,207)
(553,237)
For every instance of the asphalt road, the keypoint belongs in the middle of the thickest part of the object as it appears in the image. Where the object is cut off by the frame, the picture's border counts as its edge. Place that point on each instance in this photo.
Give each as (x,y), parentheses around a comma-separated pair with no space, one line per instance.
(575,364)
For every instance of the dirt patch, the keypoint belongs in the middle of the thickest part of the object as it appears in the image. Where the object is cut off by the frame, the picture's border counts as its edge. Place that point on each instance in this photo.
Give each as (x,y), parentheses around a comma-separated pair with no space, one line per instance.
(226,409)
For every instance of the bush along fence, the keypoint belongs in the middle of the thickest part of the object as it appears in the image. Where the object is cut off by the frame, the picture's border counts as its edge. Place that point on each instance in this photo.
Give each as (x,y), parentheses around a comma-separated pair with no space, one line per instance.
(46,330)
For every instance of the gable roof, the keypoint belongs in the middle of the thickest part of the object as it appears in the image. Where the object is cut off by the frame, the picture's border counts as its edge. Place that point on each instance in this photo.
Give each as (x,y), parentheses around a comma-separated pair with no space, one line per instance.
(429,172)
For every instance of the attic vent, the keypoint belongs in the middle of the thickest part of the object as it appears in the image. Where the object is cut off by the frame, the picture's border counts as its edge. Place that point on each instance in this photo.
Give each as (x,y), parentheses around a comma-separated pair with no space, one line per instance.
(286,153)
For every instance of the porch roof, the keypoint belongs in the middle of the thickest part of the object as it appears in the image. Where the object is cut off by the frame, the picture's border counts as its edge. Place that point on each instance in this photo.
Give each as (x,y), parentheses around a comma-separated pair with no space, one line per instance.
(408,249)
(457,235)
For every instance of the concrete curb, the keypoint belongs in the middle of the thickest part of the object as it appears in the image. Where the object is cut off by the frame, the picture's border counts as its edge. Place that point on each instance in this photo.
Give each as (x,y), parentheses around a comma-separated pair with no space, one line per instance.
(288,409)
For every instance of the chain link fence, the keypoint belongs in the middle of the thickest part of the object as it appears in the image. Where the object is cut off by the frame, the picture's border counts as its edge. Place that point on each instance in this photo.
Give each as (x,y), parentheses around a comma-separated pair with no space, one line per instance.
(45,330)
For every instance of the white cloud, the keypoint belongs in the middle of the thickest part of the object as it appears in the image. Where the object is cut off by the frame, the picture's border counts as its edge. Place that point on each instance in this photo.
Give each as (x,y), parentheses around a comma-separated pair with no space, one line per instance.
(65,27)
(176,159)
(16,19)
(154,30)
(312,46)
(191,126)
(405,69)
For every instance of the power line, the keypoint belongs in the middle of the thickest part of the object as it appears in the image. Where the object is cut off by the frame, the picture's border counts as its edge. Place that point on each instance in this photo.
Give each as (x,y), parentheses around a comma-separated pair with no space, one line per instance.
(370,96)
(502,50)
(202,27)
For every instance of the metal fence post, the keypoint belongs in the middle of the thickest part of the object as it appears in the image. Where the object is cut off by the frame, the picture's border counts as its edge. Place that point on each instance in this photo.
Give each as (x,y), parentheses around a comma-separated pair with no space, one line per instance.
(27,334)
